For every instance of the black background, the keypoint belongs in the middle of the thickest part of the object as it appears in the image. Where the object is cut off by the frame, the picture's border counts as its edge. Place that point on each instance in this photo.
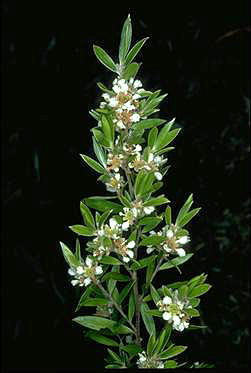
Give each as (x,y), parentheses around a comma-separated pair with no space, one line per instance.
(200,56)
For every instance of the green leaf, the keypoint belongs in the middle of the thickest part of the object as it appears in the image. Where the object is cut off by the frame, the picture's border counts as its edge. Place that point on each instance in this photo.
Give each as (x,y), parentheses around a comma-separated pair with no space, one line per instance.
(170,352)
(135,50)
(152,136)
(132,349)
(111,284)
(84,296)
(176,261)
(196,327)
(131,306)
(104,217)
(104,58)
(139,186)
(125,41)
(156,313)
(98,150)
(114,356)
(101,338)
(93,164)
(150,345)
(184,209)
(161,200)
(77,250)
(163,338)
(97,323)
(115,276)
(192,312)
(103,203)
(82,230)
(199,290)
(170,364)
(125,201)
(148,123)
(89,302)
(104,89)
(143,263)
(155,295)
(87,215)
(131,70)
(152,240)
(165,137)
(188,217)
(110,260)
(147,319)
(149,273)
(107,129)
(125,292)
(69,256)
(150,220)
(168,215)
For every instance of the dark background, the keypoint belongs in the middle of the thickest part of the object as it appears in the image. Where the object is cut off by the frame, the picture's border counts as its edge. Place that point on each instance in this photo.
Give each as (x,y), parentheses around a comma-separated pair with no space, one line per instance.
(200,56)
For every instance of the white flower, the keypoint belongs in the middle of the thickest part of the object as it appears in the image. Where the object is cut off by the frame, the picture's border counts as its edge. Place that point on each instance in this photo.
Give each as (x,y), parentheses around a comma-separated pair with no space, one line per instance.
(125,225)
(126,259)
(167,300)
(130,253)
(74,282)
(71,272)
(150,249)
(166,248)
(137,84)
(106,96)
(131,244)
(158,175)
(166,316)
(169,233)
(113,102)
(135,117)
(148,210)
(99,270)
(183,240)
(181,252)
(176,320)
(87,281)
(88,262)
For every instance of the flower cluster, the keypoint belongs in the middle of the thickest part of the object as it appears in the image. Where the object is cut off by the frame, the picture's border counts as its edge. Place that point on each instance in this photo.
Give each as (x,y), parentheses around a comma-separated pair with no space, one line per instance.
(123,100)
(151,164)
(174,311)
(173,243)
(130,215)
(84,274)
(109,238)
(145,362)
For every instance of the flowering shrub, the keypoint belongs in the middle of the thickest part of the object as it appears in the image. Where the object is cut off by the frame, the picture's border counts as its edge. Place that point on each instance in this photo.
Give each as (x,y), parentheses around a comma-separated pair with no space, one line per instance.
(131,236)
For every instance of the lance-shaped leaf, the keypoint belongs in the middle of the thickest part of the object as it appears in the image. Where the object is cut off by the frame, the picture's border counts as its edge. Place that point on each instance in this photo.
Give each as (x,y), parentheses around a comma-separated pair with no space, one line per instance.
(101,338)
(93,164)
(97,323)
(98,150)
(176,261)
(188,216)
(199,290)
(147,319)
(152,136)
(69,256)
(150,345)
(148,123)
(77,250)
(131,305)
(163,339)
(108,129)
(104,58)
(110,260)
(125,41)
(152,240)
(93,302)
(155,295)
(82,230)
(142,263)
(170,352)
(87,215)
(168,215)
(131,70)
(125,292)
(103,204)
(115,276)
(165,137)
(184,209)
(161,200)
(135,50)
(132,349)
